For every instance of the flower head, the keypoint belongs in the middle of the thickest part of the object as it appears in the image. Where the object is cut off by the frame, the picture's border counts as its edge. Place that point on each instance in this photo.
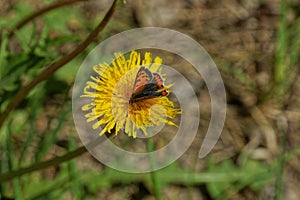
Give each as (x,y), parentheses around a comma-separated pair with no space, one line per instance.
(128,95)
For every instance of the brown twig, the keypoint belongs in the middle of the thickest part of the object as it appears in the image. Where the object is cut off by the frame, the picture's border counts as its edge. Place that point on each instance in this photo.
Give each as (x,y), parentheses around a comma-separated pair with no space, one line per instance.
(41,12)
(47,72)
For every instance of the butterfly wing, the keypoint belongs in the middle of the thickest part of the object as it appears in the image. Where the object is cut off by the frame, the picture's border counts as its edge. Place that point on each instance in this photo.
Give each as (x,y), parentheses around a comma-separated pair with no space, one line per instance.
(147,85)
(159,81)
(160,84)
(143,77)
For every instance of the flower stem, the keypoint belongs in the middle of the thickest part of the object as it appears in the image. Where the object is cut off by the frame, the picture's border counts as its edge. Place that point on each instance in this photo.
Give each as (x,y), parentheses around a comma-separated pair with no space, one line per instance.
(153,174)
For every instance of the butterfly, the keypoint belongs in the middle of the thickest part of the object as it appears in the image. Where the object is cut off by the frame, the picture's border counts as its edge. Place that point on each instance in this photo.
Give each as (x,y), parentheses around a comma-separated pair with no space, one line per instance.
(147,85)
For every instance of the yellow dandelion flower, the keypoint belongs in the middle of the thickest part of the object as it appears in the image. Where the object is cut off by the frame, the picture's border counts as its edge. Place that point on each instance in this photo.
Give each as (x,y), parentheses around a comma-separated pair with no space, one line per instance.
(128,95)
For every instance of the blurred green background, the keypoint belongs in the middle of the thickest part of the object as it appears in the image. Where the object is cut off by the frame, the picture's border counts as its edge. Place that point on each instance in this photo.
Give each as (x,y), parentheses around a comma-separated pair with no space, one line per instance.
(255,44)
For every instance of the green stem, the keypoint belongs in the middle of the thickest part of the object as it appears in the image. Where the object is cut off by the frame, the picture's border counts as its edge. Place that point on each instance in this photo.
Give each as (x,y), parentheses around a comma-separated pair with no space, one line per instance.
(153,173)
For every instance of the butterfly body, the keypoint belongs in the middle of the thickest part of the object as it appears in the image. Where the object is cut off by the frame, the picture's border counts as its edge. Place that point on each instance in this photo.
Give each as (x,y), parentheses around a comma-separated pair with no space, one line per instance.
(147,85)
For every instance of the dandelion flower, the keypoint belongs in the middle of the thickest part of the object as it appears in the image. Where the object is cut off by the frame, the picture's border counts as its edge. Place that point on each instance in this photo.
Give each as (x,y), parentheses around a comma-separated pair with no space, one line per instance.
(128,95)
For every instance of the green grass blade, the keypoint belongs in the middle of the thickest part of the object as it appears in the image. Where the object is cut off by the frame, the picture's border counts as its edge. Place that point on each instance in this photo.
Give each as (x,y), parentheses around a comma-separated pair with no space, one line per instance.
(49,189)
(4,159)
(3,54)
(11,161)
(48,141)
(295,46)
(281,67)
(282,41)
(73,173)
(28,139)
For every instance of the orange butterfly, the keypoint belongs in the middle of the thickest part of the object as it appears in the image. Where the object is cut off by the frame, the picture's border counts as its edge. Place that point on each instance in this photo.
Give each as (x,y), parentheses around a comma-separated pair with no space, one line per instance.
(147,85)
